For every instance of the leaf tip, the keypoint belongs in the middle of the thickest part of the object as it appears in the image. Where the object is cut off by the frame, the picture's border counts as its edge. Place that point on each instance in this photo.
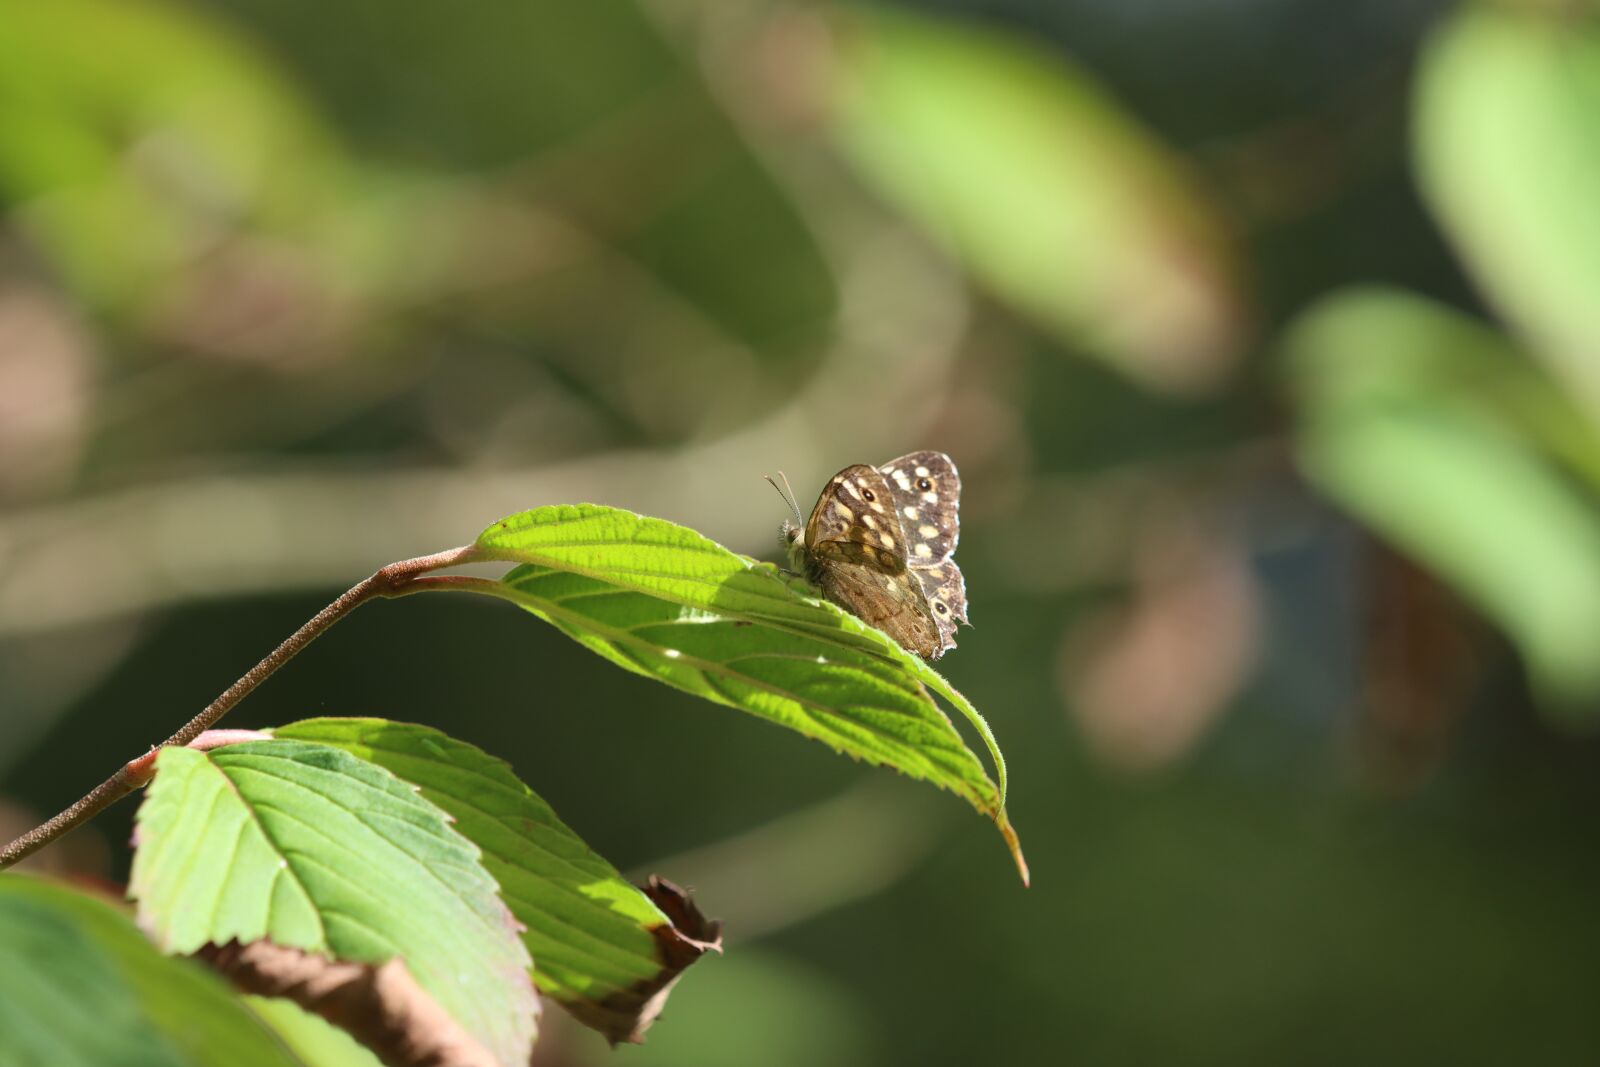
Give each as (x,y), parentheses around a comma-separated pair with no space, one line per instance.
(1014,845)
(624,1016)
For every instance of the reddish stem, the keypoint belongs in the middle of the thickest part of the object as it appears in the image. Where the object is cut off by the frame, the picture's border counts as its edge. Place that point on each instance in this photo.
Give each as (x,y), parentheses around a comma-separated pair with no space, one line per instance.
(396,579)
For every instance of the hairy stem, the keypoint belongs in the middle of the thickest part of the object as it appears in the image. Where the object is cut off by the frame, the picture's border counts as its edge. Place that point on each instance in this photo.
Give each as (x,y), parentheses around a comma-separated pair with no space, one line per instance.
(396,579)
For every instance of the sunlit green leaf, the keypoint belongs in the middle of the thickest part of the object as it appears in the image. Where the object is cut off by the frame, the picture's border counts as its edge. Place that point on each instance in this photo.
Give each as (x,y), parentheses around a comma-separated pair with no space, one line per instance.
(311,848)
(665,602)
(1054,197)
(1405,422)
(600,946)
(1507,128)
(81,987)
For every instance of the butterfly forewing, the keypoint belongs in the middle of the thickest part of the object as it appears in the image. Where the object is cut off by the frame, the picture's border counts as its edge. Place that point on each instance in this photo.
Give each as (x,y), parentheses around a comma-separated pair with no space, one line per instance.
(856,506)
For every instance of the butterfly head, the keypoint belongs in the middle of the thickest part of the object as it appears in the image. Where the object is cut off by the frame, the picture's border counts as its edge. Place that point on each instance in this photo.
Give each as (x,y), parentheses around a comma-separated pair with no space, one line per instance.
(793,539)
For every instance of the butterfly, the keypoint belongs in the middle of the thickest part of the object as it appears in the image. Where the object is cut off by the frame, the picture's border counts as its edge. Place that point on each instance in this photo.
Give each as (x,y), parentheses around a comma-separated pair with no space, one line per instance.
(878,544)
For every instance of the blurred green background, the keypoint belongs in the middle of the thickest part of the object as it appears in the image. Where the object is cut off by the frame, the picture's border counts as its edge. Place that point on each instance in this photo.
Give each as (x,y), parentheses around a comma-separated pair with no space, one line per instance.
(1266,334)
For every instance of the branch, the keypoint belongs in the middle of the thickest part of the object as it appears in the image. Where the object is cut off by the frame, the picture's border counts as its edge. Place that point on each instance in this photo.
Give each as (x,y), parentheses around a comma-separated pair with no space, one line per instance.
(394,580)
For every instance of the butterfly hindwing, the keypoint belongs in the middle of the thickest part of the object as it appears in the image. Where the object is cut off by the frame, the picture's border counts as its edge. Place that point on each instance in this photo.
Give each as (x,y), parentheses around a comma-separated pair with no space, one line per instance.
(927,499)
(893,602)
(946,593)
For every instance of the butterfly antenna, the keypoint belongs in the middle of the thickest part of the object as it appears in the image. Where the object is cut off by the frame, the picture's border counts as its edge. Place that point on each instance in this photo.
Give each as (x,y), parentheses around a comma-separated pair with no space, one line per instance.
(788,497)
(794,501)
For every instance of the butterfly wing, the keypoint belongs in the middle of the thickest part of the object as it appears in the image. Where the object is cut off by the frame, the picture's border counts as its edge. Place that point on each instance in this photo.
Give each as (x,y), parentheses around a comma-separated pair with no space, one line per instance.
(946,592)
(891,601)
(853,554)
(927,500)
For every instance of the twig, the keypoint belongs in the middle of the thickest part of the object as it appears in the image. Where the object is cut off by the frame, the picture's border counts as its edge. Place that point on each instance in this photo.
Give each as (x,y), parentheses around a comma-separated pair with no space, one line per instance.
(396,579)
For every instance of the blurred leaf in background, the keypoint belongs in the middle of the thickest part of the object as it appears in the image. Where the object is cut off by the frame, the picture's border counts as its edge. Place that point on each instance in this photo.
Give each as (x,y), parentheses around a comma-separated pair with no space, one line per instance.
(1507,128)
(137,168)
(1424,424)
(635,241)
(1261,333)
(1051,194)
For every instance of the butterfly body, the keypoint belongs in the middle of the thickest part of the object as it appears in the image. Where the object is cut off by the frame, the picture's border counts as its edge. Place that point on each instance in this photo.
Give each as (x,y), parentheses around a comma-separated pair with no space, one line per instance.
(879,544)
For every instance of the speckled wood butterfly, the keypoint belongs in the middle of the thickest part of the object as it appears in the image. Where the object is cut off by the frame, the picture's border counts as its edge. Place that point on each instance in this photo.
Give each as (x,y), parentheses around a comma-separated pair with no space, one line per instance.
(879,543)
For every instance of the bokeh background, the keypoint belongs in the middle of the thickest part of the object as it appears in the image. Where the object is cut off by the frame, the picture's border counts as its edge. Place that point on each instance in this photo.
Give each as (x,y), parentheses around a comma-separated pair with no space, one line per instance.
(1266,334)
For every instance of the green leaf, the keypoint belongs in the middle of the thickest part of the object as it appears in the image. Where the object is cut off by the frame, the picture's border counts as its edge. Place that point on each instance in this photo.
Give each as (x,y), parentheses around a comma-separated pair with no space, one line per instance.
(1055,198)
(665,602)
(1416,421)
(600,946)
(81,987)
(310,848)
(1508,153)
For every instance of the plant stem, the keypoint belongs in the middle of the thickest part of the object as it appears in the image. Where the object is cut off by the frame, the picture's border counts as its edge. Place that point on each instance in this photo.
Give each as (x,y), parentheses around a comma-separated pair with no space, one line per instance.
(394,580)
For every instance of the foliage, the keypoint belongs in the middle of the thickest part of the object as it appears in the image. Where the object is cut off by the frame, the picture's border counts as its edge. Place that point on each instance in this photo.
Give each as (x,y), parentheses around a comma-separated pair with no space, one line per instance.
(71,958)
(665,602)
(1276,373)
(368,844)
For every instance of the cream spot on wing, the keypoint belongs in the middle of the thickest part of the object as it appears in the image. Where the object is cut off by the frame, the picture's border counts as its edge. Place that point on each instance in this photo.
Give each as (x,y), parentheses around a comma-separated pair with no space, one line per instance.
(844,513)
(888,542)
(923,550)
(922,472)
(928,531)
(900,479)
(852,487)
(869,522)
(931,497)
(912,513)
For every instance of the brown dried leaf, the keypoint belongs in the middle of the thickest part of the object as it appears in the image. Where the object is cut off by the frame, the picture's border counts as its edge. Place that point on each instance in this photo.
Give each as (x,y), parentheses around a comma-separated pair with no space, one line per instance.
(626,1015)
(381,1006)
